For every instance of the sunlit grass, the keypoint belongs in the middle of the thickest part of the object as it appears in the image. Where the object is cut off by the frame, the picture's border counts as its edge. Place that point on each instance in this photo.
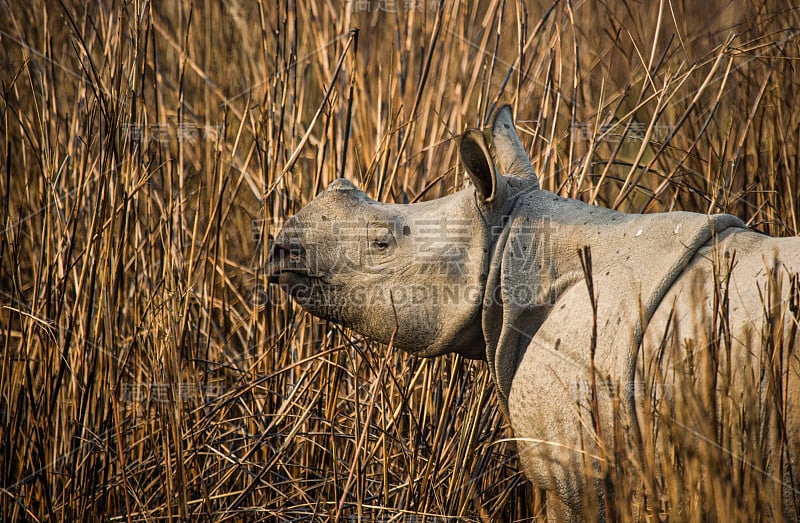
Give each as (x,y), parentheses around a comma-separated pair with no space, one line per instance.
(150,150)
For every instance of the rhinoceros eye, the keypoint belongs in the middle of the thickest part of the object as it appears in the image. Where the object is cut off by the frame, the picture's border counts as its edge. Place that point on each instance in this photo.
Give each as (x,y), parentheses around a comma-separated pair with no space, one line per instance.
(382,239)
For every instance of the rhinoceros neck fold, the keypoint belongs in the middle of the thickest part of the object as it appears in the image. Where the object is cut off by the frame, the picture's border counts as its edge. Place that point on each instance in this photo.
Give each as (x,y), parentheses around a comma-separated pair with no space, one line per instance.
(494,311)
(535,279)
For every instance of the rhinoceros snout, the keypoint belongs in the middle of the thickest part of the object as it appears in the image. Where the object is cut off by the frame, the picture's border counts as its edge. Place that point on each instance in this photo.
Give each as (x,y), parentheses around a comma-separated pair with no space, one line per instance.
(285,257)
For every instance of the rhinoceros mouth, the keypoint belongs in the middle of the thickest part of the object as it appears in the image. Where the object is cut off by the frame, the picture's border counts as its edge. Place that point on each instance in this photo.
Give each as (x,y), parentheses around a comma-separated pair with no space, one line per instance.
(288,264)
(296,278)
(314,294)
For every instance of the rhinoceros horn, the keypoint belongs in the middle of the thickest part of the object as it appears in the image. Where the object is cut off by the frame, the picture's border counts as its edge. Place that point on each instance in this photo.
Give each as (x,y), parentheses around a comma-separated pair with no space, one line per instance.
(513,159)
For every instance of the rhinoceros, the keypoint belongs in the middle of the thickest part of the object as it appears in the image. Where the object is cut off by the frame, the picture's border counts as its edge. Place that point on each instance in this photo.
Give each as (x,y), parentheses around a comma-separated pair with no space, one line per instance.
(550,291)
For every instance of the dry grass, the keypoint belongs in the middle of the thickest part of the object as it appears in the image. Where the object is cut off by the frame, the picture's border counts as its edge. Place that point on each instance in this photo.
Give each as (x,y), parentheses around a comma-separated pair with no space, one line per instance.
(151,149)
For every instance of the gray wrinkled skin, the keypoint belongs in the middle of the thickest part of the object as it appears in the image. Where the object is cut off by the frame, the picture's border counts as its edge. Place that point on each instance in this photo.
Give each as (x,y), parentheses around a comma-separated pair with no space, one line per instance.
(492,272)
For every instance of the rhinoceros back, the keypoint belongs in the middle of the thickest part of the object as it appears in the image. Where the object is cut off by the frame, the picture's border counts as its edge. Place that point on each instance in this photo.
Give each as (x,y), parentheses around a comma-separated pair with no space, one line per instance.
(742,289)
(541,353)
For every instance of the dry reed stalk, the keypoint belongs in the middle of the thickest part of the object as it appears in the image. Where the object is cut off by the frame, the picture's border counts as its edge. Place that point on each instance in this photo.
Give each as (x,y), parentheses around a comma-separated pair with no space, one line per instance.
(151,150)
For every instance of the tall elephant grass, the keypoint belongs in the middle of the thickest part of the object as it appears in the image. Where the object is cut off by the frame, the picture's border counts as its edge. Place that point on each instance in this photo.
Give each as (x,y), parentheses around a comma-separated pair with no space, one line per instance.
(150,151)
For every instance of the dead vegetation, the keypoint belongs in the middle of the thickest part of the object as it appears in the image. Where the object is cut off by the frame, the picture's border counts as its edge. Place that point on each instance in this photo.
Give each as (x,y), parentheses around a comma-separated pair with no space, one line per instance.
(150,150)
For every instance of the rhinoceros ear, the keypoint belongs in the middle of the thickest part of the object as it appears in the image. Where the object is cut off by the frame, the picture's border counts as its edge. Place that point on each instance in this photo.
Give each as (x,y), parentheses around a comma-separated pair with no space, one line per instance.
(477,160)
(512,157)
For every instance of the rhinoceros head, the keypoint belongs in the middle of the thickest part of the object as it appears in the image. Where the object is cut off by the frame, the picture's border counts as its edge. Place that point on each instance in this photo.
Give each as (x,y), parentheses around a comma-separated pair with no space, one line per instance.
(413,274)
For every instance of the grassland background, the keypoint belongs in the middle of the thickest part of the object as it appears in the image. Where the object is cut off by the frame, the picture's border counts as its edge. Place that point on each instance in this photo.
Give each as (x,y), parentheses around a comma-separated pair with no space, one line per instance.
(150,150)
